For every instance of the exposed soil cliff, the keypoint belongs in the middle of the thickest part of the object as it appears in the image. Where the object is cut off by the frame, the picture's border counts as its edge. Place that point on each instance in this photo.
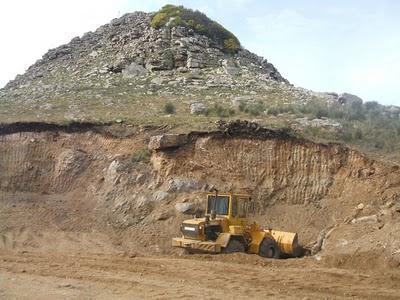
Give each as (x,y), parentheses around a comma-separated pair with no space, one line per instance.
(84,186)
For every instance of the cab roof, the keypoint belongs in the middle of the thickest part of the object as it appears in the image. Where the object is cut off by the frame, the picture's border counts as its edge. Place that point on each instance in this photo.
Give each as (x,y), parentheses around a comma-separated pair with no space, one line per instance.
(229,194)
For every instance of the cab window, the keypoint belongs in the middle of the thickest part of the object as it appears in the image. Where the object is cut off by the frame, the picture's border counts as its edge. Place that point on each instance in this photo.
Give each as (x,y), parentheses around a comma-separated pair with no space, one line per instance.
(219,204)
(242,207)
(234,206)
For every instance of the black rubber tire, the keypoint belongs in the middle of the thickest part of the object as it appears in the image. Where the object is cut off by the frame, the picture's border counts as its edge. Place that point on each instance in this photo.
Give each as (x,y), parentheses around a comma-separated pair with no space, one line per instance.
(269,248)
(233,246)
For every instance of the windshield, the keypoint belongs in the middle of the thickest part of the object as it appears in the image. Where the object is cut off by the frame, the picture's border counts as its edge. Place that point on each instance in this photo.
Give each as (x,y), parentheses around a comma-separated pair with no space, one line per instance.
(220,205)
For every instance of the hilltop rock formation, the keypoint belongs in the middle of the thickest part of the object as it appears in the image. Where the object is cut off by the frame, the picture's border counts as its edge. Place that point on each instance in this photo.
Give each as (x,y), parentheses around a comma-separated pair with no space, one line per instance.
(127,48)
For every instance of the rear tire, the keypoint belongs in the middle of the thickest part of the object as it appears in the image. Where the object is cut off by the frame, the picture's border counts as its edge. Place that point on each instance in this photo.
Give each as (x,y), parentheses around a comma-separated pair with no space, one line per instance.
(233,246)
(269,248)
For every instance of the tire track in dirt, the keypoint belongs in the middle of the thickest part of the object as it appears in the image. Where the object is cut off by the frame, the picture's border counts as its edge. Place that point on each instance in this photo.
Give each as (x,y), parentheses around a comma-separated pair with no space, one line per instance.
(219,278)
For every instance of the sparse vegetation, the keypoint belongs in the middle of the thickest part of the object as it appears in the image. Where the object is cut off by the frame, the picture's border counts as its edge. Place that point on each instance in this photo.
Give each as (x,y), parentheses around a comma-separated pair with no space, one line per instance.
(141,155)
(220,111)
(169,108)
(369,126)
(254,109)
(180,16)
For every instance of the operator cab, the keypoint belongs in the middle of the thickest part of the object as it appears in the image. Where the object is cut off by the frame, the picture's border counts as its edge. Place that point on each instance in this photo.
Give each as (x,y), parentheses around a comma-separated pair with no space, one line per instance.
(231,206)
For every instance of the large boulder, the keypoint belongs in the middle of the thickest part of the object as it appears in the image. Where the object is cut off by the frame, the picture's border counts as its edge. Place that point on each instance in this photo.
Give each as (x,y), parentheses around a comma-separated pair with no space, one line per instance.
(331,96)
(349,99)
(197,108)
(134,70)
(185,208)
(166,141)
(160,196)
(183,185)
(230,67)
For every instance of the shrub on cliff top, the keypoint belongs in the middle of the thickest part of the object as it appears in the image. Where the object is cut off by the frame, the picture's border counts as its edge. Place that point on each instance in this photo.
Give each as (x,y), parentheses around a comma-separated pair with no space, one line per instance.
(199,22)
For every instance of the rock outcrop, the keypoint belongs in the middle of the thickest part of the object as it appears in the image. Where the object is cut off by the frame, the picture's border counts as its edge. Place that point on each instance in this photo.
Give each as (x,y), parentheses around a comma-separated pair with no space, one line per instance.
(349,99)
(129,48)
(164,141)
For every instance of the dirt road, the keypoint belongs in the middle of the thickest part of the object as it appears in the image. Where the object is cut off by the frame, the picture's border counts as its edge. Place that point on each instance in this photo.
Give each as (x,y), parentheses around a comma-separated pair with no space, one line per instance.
(28,275)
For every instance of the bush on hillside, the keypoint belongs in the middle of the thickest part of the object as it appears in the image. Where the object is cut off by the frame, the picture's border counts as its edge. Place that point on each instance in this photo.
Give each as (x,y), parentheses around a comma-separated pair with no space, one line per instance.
(199,22)
(254,109)
(220,111)
(169,108)
(141,155)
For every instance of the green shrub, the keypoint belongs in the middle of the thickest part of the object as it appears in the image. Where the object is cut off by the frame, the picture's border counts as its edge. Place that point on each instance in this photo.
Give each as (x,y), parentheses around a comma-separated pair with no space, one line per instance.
(371,105)
(169,108)
(158,19)
(199,22)
(231,45)
(141,155)
(356,115)
(358,134)
(321,113)
(273,111)
(256,109)
(220,111)
(346,135)
(242,107)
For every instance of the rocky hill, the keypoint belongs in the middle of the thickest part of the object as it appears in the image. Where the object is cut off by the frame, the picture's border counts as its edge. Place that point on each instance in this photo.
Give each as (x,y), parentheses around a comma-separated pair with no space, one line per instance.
(178,68)
(128,62)
(129,54)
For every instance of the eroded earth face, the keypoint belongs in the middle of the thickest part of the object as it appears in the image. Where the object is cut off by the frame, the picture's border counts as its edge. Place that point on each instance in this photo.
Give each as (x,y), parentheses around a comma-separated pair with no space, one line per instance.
(90,213)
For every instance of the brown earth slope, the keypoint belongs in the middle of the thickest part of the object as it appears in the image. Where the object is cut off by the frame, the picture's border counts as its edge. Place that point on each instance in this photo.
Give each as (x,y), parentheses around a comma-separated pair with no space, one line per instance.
(73,200)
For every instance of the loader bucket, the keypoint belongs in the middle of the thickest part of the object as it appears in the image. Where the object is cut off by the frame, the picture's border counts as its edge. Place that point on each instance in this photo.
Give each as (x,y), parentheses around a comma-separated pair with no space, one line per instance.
(288,242)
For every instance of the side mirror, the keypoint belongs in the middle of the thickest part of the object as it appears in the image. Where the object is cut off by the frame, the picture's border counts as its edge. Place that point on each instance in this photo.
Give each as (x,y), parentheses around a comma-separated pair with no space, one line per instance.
(213,214)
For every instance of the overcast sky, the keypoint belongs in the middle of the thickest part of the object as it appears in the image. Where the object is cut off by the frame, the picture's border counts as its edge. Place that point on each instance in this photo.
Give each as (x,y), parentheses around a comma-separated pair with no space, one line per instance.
(341,45)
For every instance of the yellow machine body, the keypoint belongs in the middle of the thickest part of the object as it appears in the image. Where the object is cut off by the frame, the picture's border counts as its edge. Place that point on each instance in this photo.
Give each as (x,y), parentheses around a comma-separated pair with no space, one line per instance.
(227,219)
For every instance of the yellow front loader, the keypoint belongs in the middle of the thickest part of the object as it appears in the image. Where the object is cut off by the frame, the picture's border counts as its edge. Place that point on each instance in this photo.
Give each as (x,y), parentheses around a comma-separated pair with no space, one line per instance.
(226,228)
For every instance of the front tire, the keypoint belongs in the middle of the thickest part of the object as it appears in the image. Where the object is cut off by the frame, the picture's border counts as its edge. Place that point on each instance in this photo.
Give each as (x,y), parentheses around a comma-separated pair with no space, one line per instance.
(269,248)
(233,246)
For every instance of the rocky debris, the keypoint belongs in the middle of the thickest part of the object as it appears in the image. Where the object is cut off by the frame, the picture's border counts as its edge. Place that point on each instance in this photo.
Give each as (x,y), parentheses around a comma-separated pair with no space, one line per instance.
(164,215)
(185,208)
(230,67)
(323,122)
(322,237)
(158,80)
(349,99)
(165,141)
(360,206)
(367,219)
(160,196)
(197,108)
(241,100)
(332,96)
(112,172)
(393,109)
(71,163)
(134,70)
(183,185)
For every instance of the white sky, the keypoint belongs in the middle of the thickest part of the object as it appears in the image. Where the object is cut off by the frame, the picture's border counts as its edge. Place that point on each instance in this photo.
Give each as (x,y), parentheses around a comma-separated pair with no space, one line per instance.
(343,46)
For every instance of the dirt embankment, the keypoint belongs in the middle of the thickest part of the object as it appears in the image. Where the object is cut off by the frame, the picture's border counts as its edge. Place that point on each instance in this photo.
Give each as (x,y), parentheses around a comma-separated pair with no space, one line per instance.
(82,189)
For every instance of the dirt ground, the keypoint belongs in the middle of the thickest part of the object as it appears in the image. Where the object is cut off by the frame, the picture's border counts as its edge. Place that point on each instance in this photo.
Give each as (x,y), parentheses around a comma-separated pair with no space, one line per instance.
(28,275)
